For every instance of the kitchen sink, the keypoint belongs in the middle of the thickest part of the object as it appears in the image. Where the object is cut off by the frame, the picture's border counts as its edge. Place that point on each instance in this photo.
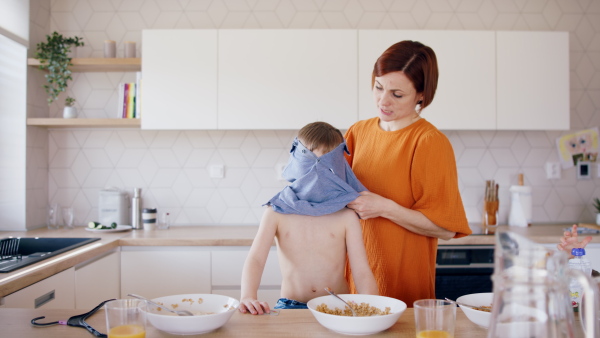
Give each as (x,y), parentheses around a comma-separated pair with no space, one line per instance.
(18,252)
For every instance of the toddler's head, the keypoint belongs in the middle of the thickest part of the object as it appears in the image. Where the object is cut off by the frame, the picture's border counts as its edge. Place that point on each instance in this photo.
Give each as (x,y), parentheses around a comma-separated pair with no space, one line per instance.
(320,137)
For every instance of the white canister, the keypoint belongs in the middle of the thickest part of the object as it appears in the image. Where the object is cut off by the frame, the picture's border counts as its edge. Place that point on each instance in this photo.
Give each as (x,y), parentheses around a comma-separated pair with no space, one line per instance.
(110,49)
(521,206)
(149,218)
(129,49)
(113,206)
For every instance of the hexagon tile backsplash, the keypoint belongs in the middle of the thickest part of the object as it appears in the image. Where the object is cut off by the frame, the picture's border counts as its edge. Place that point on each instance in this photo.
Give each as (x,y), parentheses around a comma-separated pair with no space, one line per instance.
(172,167)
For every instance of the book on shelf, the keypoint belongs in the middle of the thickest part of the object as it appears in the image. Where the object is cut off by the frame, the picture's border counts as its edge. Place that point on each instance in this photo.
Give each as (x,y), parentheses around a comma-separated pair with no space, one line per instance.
(128,100)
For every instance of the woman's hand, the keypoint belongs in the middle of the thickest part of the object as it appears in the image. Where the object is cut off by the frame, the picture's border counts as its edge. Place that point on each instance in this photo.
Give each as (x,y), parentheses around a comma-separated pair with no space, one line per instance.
(254,306)
(570,241)
(369,205)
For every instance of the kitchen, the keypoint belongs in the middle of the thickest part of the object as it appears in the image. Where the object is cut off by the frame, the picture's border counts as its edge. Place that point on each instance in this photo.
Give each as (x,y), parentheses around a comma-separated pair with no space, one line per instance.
(70,166)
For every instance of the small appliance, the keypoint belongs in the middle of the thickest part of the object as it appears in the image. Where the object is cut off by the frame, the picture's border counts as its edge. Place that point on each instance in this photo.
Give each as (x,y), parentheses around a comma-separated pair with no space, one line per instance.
(113,206)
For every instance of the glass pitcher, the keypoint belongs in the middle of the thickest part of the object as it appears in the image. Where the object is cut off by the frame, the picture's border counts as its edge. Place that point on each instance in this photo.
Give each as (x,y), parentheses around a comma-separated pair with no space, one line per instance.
(531,292)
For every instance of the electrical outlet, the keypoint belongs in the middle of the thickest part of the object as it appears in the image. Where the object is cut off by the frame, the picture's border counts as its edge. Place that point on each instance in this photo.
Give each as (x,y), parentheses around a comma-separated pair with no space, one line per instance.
(553,170)
(217,171)
(279,170)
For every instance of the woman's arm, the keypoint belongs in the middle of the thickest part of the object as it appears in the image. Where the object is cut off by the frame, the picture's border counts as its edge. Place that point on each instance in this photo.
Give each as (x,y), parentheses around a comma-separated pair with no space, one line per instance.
(255,264)
(357,256)
(370,205)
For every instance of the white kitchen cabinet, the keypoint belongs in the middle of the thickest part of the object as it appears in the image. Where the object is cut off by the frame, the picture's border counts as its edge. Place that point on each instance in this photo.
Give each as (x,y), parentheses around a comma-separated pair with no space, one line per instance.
(466,92)
(533,80)
(97,280)
(54,292)
(179,79)
(227,265)
(284,79)
(592,251)
(161,271)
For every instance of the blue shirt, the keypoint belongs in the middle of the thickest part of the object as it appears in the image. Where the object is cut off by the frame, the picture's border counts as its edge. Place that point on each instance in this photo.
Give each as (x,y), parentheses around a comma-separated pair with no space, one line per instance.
(319,185)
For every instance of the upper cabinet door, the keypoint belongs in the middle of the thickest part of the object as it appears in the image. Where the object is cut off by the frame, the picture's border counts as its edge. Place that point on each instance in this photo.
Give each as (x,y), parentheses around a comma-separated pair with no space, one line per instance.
(284,79)
(179,74)
(533,80)
(465,98)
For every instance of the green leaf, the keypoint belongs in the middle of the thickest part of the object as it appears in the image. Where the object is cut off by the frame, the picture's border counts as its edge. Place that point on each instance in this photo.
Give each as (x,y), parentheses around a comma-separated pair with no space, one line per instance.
(53,58)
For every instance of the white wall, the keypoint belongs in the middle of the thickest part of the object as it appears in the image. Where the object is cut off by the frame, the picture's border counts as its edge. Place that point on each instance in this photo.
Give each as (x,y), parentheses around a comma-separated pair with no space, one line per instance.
(13,105)
(172,167)
(14,21)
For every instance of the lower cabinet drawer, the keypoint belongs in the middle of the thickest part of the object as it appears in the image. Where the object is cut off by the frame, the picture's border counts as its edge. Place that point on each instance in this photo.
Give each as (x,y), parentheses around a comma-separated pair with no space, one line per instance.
(227,265)
(97,280)
(54,292)
(162,271)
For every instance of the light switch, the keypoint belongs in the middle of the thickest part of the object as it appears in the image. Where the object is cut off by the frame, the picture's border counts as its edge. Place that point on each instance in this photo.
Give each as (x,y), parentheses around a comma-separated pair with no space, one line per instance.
(217,171)
(553,170)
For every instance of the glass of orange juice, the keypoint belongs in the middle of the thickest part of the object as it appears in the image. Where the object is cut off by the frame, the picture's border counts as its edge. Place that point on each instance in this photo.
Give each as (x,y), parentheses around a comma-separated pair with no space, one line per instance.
(434,318)
(125,318)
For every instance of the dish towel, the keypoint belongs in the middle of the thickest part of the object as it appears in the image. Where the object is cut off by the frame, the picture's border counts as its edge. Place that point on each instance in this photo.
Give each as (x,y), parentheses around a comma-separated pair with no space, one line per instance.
(319,185)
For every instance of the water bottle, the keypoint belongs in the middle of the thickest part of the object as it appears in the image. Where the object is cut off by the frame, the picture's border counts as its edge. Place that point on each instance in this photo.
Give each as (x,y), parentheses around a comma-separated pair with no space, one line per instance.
(136,209)
(578,262)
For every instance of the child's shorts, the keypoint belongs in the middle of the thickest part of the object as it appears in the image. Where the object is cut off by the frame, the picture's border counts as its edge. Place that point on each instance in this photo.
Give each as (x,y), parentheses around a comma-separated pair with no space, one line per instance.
(284,303)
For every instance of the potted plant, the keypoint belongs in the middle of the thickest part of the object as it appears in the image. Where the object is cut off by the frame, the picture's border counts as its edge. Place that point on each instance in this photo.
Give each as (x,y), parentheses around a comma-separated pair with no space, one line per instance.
(54,57)
(70,111)
(597,207)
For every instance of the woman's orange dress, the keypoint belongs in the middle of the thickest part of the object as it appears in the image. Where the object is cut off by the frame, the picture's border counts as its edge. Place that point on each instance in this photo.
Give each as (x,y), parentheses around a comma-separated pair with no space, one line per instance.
(416,168)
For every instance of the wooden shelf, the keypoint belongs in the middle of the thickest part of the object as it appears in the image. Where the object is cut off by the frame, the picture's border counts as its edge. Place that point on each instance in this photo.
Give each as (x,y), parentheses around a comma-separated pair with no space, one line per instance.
(99,64)
(84,123)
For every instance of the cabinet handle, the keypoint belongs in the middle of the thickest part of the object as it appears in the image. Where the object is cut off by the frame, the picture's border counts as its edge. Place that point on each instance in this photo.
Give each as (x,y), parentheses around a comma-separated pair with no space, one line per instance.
(41,300)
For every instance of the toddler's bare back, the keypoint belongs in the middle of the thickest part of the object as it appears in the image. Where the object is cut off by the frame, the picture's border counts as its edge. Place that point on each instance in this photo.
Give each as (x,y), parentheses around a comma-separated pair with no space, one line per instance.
(312,253)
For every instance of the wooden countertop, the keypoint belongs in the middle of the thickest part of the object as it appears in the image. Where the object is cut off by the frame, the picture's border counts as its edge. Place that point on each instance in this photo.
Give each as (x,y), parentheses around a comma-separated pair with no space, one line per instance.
(193,236)
(289,323)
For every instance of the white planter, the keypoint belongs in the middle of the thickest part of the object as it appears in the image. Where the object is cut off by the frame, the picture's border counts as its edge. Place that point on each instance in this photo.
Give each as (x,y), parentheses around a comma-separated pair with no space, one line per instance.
(70,113)
(598,219)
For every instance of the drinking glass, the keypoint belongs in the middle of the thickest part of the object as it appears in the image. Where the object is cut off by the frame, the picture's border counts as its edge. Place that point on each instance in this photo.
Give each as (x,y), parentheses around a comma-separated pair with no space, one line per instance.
(164,221)
(52,216)
(68,216)
(434,318)
(125,318)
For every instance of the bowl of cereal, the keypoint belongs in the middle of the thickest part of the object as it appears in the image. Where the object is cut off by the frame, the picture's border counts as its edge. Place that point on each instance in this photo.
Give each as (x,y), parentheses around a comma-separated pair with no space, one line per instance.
(210,311)
(484,300)
(373,313)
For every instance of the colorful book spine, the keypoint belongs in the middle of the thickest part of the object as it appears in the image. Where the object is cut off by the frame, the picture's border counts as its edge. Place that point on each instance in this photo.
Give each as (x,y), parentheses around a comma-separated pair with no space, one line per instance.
(120,100)
(138,90)
(124,99)
(130,100)
(129,105)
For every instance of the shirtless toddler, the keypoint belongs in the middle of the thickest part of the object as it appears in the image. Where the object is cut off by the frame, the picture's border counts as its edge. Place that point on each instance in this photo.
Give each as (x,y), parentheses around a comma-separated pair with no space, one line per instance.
(312,249)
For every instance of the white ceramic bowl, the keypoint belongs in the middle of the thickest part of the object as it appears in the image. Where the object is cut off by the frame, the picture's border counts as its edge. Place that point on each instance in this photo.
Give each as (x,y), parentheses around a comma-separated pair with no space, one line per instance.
(221,308)
(478,317)
(357,325)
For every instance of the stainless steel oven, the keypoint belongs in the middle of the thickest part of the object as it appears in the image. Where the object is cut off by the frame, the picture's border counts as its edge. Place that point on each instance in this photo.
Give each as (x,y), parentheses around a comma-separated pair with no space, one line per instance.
(463,269)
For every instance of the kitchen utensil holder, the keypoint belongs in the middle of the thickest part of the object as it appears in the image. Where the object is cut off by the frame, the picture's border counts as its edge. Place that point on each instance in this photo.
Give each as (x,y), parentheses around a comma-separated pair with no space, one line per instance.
(490,217)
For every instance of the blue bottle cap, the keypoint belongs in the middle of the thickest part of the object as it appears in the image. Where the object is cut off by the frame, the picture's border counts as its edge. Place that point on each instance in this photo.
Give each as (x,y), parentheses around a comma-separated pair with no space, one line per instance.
(578,252)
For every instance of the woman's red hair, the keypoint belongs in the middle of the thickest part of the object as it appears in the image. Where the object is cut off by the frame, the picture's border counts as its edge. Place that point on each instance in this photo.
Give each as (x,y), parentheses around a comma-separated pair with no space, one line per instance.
(416,61)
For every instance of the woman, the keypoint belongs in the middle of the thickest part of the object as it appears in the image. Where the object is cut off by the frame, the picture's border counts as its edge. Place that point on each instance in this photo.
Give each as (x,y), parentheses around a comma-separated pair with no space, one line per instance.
(408,166)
